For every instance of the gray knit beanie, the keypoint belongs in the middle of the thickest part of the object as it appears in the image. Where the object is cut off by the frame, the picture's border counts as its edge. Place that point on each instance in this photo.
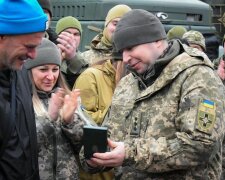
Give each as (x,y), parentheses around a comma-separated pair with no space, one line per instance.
(47,53)
(137,27)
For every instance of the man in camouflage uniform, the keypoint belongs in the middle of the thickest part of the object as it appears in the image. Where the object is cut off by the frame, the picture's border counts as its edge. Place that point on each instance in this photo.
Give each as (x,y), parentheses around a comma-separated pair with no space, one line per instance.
(195,39)
(167,116)
(101,45)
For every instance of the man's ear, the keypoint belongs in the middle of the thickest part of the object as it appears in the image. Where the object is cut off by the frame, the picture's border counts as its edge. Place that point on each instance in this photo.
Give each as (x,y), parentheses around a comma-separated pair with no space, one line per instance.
(158,43)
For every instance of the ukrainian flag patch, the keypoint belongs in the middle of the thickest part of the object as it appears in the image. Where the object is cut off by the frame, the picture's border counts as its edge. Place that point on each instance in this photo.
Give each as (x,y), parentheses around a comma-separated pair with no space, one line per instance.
(206,116)
(208,103)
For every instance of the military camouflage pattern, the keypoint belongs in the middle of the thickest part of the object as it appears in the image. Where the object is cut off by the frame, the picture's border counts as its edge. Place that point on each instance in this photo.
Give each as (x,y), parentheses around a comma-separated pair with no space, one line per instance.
(57,144)
(72,68)
(98,52)
(168,131)
(216,62)
(195,37)
(223,164)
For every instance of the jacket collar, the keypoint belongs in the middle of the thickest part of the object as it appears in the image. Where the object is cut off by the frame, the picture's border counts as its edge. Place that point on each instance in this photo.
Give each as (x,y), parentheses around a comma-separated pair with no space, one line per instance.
(98,44)
(46,95)
(154,71)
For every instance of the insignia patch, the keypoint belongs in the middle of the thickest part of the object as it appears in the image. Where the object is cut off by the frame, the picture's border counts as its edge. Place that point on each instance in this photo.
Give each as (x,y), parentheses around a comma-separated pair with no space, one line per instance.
(206,116)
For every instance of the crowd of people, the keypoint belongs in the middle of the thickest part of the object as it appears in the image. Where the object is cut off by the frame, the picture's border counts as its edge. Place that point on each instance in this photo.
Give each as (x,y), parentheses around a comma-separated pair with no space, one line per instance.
(159,95)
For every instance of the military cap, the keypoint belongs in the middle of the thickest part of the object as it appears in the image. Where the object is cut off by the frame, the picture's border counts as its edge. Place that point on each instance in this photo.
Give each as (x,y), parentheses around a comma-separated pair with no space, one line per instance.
(176,32)
(68,22)
(116,12)
(195,37)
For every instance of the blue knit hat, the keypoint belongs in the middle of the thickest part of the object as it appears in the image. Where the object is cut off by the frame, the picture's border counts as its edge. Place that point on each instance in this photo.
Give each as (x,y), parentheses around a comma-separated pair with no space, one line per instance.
(21,17)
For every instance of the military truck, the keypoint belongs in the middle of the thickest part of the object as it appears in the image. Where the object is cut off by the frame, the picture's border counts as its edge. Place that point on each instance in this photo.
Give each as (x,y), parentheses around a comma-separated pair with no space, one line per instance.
(218,18)
(192,14)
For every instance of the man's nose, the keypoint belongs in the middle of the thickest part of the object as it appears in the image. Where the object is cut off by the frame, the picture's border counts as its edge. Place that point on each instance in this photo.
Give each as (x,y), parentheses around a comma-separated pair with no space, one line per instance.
(31,53)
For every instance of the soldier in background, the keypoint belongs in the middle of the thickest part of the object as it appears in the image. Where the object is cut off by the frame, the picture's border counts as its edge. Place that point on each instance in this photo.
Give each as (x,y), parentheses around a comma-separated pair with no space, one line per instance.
(195,39)
(166,120)
(101,45)
(69,32)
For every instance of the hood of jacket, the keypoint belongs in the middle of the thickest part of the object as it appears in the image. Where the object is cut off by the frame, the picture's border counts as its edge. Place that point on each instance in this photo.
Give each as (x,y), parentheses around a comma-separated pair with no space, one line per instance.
(107,68)
(98,44)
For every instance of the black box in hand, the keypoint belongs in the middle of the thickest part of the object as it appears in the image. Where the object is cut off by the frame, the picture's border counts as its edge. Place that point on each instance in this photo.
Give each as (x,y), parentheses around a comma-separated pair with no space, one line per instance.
(94,140)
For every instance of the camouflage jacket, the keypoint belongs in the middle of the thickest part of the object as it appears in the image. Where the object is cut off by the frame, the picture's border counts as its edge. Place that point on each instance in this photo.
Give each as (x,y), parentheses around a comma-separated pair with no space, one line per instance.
(216,62)
(174,128)
(98,51)
(72,68)
(57,143)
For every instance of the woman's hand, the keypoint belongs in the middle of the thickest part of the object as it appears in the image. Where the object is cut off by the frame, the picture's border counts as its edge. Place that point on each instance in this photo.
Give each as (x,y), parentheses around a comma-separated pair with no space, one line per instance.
(70,105)
(56,103)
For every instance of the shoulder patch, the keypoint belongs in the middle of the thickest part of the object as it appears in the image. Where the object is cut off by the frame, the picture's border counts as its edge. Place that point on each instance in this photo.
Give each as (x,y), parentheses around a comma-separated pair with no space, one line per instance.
(206,116)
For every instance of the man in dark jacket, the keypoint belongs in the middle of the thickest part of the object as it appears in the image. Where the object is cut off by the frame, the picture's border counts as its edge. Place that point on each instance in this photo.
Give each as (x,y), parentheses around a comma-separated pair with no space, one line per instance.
(22,26)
